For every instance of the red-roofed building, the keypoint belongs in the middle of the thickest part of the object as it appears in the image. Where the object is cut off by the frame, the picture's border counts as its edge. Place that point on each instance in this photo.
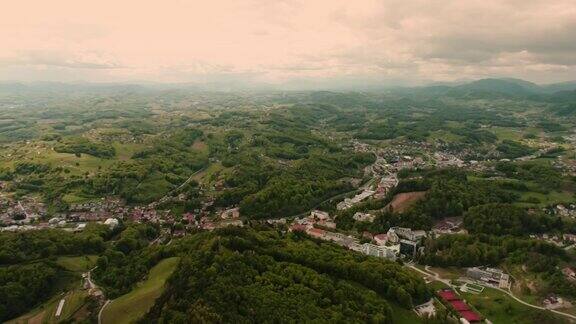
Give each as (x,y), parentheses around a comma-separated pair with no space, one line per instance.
(459,305)
(316,232)
(470,316)
(447,295)
(298,228)
(367,235)
(381,239)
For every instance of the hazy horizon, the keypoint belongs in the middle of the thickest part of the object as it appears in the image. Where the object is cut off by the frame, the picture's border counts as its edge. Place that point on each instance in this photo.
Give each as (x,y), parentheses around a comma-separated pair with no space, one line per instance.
(288,43)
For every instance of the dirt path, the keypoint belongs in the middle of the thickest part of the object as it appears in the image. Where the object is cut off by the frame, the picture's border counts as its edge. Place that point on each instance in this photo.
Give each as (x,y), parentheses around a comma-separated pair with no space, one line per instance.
(37,319)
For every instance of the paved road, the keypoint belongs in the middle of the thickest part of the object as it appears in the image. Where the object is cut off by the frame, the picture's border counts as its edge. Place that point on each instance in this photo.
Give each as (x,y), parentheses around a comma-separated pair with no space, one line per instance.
(180,186)
(102,309)
(432,274)
(94,286)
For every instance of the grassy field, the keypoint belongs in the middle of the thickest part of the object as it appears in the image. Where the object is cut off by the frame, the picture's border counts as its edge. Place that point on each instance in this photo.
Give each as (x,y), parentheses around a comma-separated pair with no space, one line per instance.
(448,273)
(501,308)
(45,313)
(209,173)
(444,135)
(124,151)
(128,308)
(553,197)
(77,263)
(507,133)
(75,299)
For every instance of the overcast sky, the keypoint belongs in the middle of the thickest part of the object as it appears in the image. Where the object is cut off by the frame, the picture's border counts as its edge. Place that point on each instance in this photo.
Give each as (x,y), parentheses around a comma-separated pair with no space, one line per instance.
(287,41)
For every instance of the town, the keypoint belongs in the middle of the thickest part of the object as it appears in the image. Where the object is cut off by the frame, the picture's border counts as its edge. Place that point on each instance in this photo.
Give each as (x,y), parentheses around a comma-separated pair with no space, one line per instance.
(397,244)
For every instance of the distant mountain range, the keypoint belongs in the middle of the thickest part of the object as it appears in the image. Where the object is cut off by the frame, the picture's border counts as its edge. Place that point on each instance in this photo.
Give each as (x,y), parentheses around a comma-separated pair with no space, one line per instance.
(517,86)
(483,87)
(495,88)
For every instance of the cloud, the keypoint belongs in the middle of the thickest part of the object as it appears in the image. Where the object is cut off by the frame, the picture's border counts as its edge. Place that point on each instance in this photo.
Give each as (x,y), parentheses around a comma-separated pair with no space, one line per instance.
(74,60)
(282,41)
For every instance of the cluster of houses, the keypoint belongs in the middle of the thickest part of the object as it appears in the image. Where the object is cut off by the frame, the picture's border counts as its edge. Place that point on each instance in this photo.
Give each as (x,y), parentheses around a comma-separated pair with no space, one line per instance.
(555,302)
(227,217)
(349,202)
(383,186)
(561,240)
(565,211)
(398,241)
(108,204)
(148,214)
(569,273)
(449,225)
(17,213)
(444,160)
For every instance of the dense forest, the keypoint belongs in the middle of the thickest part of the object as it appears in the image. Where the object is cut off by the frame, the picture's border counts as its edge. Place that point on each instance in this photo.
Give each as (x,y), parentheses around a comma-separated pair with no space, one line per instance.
(246,275)
(28,272)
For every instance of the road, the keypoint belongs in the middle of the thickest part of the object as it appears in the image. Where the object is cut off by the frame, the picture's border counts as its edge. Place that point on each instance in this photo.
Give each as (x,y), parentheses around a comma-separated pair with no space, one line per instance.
(429,273)
(102,309)
(93,286)
(180,186)
(23,209)
(509,293)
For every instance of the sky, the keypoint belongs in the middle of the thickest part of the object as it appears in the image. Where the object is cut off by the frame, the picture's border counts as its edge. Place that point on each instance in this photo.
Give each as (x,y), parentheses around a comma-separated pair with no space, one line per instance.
(287,42)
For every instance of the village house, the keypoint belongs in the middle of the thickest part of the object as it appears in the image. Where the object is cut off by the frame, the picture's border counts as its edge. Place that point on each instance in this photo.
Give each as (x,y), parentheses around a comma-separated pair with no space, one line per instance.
(554,302)
(349,202)
(381,239)
(327,224)
(295,227)
(316,232)
(363,217)
(385,185)
(570,273)
(229,222)
(111,222)
(280,221)
(450,225)
(570,238)
(319,215)
(230,213)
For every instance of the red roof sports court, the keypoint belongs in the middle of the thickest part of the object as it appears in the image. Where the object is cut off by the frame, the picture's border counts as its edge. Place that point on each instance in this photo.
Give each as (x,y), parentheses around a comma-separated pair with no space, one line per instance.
(449,296)
(459,305)
(470,316)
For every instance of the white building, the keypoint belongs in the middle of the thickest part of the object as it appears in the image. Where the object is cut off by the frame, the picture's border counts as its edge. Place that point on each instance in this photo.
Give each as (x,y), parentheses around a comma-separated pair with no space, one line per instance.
(364,217)
(319,215)
(111,222)
(349,202)
(387,252)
